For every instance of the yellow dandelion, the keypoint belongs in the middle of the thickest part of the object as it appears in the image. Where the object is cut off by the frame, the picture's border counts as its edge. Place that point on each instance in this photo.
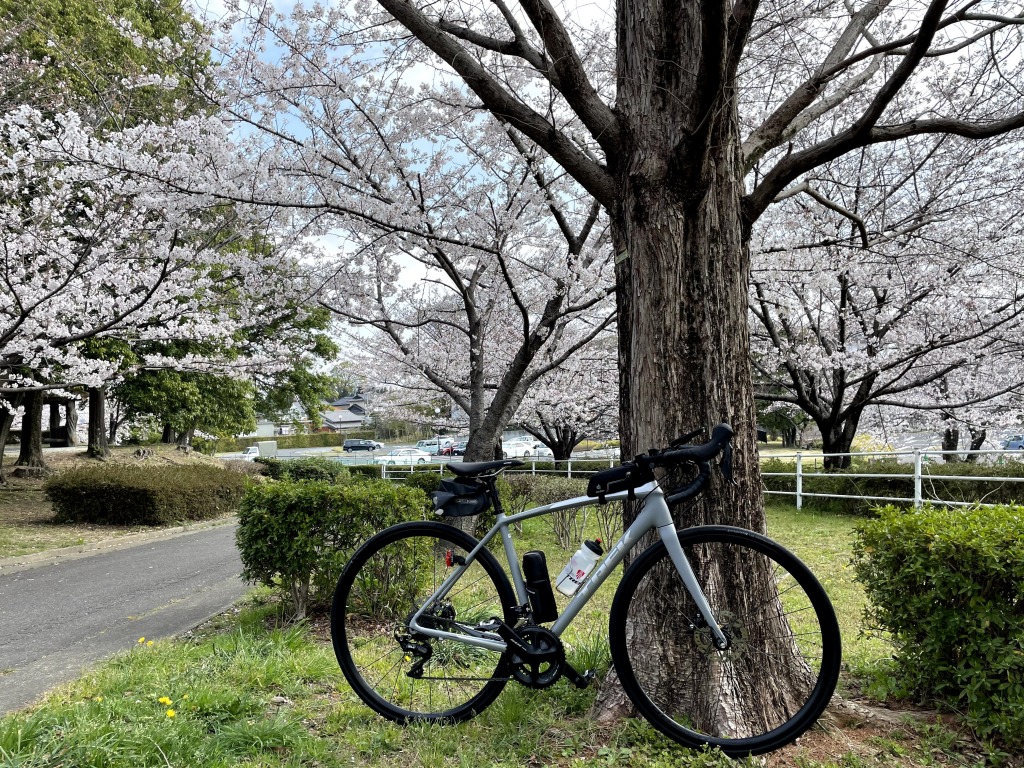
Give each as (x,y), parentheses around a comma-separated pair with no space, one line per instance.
(185,696)
(149,642)
(142,640)
(165,701)
(171,713)
(97,698)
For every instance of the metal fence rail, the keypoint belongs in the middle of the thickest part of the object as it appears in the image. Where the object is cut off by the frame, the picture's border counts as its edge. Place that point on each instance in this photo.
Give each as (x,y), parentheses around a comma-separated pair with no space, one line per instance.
(562,468)
(922,460)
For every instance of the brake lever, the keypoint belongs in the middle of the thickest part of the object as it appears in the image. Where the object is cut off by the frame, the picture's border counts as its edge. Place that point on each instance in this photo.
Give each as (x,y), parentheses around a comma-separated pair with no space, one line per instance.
(725,465)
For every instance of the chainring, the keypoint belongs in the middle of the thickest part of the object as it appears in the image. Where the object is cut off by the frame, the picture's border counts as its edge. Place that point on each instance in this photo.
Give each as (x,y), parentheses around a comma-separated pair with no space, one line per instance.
(544,671)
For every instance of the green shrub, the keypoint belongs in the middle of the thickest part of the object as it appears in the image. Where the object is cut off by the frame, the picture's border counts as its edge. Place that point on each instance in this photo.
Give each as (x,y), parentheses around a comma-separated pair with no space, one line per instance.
(312,440)
(371,471)
(425,481)
(118,494)
(299,535)
(966,487)
(949,585)
(313,468)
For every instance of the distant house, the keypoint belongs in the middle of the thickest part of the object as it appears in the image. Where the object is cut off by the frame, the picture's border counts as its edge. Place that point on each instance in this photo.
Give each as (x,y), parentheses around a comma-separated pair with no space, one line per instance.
(345,413)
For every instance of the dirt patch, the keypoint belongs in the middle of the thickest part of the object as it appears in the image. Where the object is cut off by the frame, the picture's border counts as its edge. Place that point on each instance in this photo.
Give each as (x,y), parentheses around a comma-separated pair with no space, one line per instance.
(26,515)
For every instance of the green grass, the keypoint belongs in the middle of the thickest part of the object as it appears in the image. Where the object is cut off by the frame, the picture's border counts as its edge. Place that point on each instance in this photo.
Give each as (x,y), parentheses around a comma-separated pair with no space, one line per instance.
(823,541)
(249,693)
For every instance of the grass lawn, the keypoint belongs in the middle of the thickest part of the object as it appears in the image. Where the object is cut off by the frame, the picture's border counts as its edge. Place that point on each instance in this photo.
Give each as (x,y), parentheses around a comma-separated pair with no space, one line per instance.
(248,690)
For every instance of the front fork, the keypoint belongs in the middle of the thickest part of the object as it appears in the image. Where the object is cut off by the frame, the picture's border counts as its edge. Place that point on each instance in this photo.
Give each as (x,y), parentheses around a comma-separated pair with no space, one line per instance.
(670,537)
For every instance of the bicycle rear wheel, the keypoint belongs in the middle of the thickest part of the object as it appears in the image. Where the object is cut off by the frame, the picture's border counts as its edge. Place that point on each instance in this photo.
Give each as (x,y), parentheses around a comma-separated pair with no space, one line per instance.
(407,676)
(781,666)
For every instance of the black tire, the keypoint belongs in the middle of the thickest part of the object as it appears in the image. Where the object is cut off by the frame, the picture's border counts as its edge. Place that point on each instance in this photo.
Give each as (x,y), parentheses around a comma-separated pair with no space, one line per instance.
(664,685)
(386,579)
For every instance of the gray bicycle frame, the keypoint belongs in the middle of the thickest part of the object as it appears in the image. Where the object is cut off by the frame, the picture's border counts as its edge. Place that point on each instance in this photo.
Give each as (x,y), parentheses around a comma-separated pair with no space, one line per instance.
(654,513)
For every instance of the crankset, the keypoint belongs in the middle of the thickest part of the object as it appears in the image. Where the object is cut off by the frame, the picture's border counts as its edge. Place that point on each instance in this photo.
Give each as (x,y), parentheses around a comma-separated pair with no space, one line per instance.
(538,658)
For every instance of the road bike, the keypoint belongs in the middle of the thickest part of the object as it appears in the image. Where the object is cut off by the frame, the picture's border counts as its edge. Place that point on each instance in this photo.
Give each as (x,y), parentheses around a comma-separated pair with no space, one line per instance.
(428,625)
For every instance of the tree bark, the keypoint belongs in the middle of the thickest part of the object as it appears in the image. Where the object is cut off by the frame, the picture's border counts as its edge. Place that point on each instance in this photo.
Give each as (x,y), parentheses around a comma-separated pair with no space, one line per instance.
(168,435)
(950,441)
(6,419)
(837,435)
(98,448)
(55,434)
(977,440)
(31,454)
(684,264)
(71,421)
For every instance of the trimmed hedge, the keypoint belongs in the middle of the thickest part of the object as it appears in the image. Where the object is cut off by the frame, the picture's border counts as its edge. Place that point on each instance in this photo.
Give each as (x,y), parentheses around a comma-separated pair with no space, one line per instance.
(949,585)
(311,468)
(371,471)
(969,489)
(299,535)
(312,440)
(118,494)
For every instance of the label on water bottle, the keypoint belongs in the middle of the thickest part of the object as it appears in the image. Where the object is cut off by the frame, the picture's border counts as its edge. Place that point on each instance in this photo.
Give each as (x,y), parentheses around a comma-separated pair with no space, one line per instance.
(570,579)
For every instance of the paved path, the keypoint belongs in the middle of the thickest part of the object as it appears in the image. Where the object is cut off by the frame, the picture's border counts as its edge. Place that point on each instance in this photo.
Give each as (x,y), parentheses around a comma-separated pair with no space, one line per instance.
(58,617)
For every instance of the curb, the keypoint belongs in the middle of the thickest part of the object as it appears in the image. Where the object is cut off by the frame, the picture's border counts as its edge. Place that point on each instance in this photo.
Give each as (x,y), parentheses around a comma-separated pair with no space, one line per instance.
(49,556)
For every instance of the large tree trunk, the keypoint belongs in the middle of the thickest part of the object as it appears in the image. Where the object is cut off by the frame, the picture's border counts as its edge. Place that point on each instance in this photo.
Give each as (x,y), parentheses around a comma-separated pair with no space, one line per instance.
(98,447)
(682,302)
(71,421)
(54,430)
(6,419)
(977,441)
(31,454)
(950,441)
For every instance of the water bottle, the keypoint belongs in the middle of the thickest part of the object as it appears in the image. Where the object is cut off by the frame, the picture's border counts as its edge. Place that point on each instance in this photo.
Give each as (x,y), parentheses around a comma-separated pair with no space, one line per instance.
(580,564)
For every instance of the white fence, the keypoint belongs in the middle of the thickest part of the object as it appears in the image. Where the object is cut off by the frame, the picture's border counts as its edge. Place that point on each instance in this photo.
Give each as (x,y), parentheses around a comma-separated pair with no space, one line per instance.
(927,468)
(563,468)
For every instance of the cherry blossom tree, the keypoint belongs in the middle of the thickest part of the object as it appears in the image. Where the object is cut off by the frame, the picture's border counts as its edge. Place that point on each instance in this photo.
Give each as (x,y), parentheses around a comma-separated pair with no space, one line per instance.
(89,254)
(514,259)
(903,289)
(576,400)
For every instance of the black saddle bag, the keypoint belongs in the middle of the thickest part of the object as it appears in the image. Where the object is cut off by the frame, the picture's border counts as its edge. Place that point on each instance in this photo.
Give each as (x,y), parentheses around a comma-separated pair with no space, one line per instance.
(458,498)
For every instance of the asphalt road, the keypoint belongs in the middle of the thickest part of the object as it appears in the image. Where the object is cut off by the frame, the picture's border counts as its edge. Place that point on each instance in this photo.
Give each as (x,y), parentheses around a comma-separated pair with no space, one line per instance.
(57,618)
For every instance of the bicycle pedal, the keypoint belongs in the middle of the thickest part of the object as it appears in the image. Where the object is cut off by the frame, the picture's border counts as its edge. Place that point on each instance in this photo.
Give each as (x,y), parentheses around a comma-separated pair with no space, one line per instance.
(580,681)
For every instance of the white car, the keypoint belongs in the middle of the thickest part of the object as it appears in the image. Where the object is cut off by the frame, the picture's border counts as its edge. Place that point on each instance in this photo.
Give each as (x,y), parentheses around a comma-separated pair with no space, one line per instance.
(408,456)
(250,454)
(515,449)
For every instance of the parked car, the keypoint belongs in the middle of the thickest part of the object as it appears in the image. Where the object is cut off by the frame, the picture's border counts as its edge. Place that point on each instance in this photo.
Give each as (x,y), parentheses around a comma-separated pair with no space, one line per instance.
(515,449)
(459,449)
(361,445)
(408,456)
(435,445)
(250,453)
(541,450)
(1015,443)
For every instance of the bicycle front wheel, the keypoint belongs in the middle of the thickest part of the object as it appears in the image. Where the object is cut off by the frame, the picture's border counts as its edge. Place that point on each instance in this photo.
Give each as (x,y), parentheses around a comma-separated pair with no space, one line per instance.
(405,675)
(781,665)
